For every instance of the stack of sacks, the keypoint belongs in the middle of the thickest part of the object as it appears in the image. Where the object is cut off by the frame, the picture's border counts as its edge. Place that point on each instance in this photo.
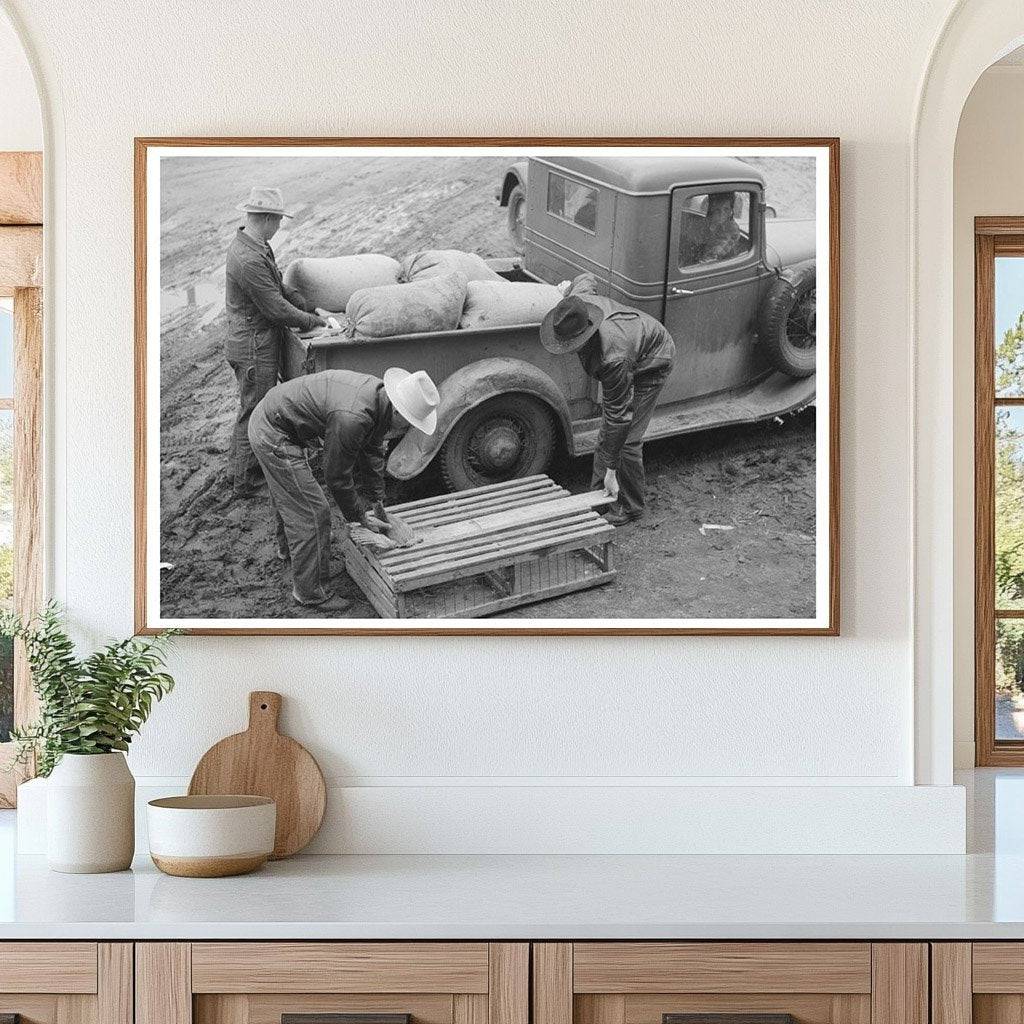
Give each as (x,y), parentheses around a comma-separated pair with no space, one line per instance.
(435,262)
(507,304)
(433,304)
(329,283)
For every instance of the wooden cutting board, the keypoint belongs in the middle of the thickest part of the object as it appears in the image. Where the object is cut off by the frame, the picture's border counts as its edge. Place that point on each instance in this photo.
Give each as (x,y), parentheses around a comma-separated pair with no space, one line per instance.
(262,762)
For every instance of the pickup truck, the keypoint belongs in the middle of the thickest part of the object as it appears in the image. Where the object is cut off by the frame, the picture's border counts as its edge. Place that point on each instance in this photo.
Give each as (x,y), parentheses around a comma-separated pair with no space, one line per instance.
(689,240)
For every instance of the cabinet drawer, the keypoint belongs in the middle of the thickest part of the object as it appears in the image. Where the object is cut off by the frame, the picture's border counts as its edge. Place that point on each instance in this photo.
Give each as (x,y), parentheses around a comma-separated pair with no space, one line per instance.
(340,967)
(262,982)
(48,967)
(634,967)
(736,982)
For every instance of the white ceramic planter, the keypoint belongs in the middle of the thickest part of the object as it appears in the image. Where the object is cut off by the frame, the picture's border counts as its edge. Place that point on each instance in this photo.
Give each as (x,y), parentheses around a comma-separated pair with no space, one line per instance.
(90,814)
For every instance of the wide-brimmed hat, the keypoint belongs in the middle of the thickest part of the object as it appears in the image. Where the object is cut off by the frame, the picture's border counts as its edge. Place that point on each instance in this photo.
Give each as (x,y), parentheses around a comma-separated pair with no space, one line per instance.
(570,325)
(414,396)
(264,200)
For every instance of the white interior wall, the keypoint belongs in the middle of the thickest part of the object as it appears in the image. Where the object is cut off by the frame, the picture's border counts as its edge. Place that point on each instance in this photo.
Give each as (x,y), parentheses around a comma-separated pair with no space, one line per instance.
(433,717)
(21,125)
(988,181)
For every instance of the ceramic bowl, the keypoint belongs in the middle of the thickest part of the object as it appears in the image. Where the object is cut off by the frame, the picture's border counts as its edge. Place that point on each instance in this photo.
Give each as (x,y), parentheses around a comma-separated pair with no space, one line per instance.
(211,836)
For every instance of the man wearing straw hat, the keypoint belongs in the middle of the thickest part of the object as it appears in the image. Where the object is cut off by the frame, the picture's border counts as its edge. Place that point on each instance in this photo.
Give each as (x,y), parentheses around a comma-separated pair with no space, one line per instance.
(351,413)
(260,309)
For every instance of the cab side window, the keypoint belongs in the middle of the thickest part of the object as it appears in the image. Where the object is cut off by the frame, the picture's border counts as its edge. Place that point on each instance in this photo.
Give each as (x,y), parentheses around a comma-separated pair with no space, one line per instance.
(714,227)
(572,201)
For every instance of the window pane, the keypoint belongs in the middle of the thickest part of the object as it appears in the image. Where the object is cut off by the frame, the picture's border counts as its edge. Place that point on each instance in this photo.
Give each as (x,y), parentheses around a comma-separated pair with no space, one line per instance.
(1009,533)
(6,348)
(1009,326)
(714,228)
(6,564)
(572,201)
(1009,679)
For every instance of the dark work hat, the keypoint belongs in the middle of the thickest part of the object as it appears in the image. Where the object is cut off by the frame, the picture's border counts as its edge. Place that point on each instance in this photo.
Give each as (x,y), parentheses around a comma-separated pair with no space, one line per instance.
(570,325)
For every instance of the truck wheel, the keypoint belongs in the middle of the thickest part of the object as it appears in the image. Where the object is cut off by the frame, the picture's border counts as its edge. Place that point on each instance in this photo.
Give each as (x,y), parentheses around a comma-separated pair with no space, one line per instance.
(517,217)
(504,438)
(786,324)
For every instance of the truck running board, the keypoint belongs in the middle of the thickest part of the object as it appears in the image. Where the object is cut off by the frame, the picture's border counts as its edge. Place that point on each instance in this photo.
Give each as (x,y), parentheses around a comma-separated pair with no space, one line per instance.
(774,395)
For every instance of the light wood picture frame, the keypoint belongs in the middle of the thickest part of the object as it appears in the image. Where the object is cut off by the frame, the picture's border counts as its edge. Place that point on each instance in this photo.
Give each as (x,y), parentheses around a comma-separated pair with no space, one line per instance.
(179,257)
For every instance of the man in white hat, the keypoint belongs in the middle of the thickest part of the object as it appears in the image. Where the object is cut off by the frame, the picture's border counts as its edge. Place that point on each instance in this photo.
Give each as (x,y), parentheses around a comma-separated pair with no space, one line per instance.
(352,414)
(260,309)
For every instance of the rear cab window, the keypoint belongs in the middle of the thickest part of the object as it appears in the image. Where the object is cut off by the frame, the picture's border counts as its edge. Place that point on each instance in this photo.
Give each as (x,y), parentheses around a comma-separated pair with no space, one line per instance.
(572,201)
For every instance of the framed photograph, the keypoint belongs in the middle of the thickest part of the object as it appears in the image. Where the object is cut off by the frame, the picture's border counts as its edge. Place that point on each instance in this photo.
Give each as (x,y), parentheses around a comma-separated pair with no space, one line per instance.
(494,386)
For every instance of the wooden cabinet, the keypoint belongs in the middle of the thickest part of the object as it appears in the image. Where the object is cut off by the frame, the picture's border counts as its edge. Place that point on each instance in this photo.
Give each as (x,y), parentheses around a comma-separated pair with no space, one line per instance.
(494,983)
(650,982)
(979,982)
(66,982)
(260,982)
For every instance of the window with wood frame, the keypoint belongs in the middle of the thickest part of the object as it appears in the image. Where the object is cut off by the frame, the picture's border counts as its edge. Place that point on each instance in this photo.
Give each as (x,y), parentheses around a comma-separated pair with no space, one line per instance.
(999,490)
(21,353)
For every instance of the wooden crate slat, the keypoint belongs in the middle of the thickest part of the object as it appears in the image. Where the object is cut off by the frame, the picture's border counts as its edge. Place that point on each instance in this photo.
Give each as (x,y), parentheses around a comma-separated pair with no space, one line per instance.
(542,594)
(503,504)
(471,547)
(517,517)
(382,601)
(521,495)
(570,541)
(468,495)
(402,558)
(470,561)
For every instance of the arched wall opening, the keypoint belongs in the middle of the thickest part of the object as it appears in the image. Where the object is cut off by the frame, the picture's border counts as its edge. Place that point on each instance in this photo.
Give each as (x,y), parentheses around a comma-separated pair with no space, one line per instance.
(986,182)
(976,34)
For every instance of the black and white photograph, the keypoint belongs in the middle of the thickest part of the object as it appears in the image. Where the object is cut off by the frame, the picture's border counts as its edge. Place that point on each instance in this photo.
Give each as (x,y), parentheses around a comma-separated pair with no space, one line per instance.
(455,386)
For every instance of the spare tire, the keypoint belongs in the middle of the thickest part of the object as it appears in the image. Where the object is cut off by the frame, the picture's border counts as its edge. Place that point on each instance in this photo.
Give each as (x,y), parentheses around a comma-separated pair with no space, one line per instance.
(787,321)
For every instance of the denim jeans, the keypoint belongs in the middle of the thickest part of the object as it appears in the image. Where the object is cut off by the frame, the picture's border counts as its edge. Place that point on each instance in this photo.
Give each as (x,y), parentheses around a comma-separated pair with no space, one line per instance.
(255,377)
(302,511)
(632,479)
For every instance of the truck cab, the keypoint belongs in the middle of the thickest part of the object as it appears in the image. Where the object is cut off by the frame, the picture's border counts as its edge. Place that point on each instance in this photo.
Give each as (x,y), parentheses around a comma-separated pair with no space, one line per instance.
(685,240)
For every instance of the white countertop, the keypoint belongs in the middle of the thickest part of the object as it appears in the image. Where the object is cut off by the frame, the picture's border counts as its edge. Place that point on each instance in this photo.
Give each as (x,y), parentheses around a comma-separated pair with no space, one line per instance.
(978,896)
(532,897)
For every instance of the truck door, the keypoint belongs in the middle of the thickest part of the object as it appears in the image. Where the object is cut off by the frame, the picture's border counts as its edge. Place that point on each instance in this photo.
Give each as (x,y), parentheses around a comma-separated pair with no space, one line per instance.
(713,277)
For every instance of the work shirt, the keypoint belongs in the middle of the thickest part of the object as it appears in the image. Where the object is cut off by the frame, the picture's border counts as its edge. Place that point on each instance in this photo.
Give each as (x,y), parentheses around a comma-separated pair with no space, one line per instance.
(352,415)
(259,304)
(629,346)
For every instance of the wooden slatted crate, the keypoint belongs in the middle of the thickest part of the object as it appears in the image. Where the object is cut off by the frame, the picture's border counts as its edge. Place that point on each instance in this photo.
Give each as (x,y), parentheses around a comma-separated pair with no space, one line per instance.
(488,549)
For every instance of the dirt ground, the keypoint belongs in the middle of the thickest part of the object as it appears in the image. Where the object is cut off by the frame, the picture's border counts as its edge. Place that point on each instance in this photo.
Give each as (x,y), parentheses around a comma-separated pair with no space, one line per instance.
(219,551)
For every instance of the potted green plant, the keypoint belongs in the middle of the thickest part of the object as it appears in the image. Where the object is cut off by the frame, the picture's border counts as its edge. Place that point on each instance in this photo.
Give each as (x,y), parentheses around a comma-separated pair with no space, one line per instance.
(89,710)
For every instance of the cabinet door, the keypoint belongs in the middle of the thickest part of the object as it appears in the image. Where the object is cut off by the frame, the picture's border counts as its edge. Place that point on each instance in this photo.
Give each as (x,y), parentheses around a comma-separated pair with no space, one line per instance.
(66,982)
(980,982)
(332,983)
(737,982)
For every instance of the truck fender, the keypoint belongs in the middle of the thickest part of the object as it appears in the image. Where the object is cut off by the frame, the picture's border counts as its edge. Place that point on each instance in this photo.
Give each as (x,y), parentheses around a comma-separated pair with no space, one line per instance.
(515,175)
(465,389)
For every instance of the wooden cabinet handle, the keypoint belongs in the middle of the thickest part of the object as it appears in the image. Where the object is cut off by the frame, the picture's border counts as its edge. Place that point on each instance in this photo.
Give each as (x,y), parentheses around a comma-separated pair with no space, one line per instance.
(728,1018)
(338,1018)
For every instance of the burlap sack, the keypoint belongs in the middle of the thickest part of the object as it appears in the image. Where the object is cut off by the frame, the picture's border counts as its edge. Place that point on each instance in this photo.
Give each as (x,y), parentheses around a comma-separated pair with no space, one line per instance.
(416,308)
(434,262)
(507,303)
(329,283)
